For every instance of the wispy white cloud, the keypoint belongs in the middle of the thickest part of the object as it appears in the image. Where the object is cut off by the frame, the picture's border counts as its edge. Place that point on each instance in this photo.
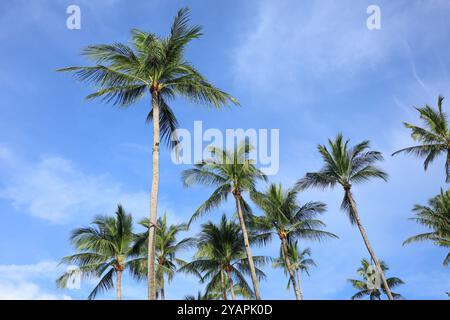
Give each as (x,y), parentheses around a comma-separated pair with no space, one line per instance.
(26,282)
(54,189)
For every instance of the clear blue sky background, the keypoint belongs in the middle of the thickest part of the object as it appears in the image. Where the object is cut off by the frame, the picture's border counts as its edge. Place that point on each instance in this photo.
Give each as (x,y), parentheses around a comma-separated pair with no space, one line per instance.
(310,68)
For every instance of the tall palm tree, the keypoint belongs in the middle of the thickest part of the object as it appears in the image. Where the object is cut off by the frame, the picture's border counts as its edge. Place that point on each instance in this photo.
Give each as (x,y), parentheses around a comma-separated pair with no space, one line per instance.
(366,286)
(300,261)
(220,260)
(155,65)
(347,166)
(435,216)
(286,218)
(231,172)
(103,250)
(433,138)
(167,249)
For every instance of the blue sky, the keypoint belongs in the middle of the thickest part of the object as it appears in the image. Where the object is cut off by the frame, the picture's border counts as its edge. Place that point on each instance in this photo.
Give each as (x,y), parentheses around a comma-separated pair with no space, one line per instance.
(309,68)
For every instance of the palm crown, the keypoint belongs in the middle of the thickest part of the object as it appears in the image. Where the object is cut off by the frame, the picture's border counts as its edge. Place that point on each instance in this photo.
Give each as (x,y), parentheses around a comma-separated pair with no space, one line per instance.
(167,249)
(434,137)
(285,217)
(220,255)
(300,259)
(345,165)
(366,287)
(103,250)
(155,65)
(435,216)
(228,171)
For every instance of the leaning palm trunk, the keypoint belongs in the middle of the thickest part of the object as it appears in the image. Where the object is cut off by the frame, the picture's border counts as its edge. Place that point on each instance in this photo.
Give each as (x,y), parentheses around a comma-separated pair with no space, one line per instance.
(224,286)
(248,252)
(230,282)
(119,284)
(163,296)
(289,266)
(153,199)
(367,243)
(300,291)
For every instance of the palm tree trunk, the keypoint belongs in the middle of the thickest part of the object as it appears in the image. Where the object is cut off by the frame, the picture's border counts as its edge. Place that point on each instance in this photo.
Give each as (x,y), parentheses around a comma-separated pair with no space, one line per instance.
(163,297)
(248,252)
(224,287)
(368,246)
(300,290)
(119,284)
(230,282)
(153,199)
(289,266)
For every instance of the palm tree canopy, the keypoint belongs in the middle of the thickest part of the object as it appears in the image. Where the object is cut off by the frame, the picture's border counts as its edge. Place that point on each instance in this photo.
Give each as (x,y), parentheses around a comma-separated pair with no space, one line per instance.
(433,138)
(227,171)
(367,290)
(167,247)
(220,248)
(301,260)
(122,74)
(435,216)
(344,165)
(102,249)
(284,216)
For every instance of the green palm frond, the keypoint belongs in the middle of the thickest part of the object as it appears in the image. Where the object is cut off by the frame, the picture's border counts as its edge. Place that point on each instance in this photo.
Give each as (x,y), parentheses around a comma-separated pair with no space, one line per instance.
(435,216)
(101,249)
(433,137)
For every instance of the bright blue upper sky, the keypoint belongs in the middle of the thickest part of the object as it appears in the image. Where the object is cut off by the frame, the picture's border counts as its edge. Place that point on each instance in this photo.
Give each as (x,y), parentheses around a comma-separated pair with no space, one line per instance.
(311,69)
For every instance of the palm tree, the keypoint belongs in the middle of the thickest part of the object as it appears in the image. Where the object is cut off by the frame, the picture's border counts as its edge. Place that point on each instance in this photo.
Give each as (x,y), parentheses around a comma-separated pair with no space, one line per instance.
(287,219)
(231,172)
(167,249)
(300,262)
(433,138)
(157,66)
(346,166)
(367,287)
(220,260)
(103,250)
(435,216)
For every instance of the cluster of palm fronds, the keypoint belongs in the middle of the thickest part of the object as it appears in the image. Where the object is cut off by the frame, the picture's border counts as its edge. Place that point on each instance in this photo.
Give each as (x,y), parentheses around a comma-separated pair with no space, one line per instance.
(157,66)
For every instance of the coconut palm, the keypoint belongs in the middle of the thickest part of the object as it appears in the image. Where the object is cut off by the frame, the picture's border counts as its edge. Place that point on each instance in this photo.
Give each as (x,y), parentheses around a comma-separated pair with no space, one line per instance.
(220,260)
(167,249)
(231,172)
(435,216)
(286,218)
(368,286)
(103,251)
(155,65)
(300,261)
(433,138)
(347,166)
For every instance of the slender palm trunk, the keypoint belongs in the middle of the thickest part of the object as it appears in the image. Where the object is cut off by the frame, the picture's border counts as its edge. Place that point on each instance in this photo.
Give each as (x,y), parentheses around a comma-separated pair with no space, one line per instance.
(119,284)
(289,266)
(230,283)
(153,199)
(163,297)
(224,286)
(300,290)
(368,246)
(248,252)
